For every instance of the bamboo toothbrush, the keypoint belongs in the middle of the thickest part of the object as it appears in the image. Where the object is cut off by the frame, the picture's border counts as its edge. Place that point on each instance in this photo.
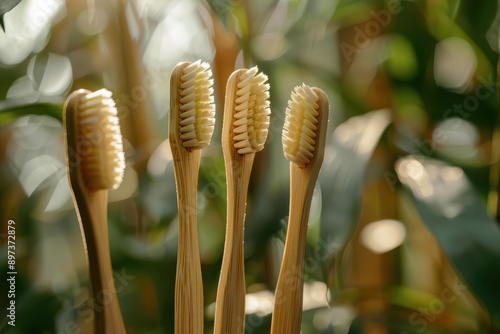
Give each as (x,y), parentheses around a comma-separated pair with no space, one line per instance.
(246,123)
(304,136)
(192,119)
(95,163)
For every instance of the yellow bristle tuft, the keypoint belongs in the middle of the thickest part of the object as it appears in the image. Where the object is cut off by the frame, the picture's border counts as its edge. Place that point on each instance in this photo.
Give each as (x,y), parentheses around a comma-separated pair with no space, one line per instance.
(251,112)
(197,109)
(299,132)
(100,145)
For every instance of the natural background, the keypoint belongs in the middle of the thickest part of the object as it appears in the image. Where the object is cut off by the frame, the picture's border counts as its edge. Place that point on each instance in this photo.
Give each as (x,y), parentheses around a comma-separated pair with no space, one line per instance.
(403,234)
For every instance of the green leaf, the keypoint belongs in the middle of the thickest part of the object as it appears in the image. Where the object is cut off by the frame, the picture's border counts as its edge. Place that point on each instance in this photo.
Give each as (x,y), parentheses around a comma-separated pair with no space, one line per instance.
(352,11)
(49,109)
(221,8)
(346,158)
(455,215)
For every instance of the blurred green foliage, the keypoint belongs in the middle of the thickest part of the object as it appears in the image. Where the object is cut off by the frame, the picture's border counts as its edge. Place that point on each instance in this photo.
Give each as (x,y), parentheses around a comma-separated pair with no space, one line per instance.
(431,65)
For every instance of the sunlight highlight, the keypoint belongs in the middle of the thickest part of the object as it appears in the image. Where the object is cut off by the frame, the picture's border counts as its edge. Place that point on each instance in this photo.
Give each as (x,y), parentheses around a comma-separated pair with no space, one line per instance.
(383,236)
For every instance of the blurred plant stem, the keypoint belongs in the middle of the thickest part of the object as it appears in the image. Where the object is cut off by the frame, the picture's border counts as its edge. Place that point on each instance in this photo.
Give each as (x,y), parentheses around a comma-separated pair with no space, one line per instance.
(120,58)
(9,204)
(368,272)
(426,269)
(227,48)
(377,94)
(126,58)
(493,197)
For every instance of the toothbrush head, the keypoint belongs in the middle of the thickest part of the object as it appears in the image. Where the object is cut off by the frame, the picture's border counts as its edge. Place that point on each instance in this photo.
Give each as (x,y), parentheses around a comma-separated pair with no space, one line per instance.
(94,135)
(247,108)
(304,131)
(192,93)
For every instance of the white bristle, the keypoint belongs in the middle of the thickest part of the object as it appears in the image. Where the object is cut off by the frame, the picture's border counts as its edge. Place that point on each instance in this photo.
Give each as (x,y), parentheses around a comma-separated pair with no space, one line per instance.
(301,119)
(100,143)
(251,112)
(197,109)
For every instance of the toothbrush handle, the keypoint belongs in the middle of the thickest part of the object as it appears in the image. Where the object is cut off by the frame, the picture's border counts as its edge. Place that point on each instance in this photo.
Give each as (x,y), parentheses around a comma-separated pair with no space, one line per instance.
(188,281)
(287,314)
(230,302)
(92,209)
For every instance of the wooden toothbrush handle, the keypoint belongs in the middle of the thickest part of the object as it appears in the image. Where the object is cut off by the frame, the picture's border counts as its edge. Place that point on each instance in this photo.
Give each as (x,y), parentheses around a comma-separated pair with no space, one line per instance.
(230,302)
(92,212)
(287,314)
(188,282)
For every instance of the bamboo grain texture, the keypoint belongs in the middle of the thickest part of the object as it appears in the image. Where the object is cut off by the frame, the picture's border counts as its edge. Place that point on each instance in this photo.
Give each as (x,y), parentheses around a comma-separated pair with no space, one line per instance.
(287,314)
(91,209)
(188,282)
(230,302)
